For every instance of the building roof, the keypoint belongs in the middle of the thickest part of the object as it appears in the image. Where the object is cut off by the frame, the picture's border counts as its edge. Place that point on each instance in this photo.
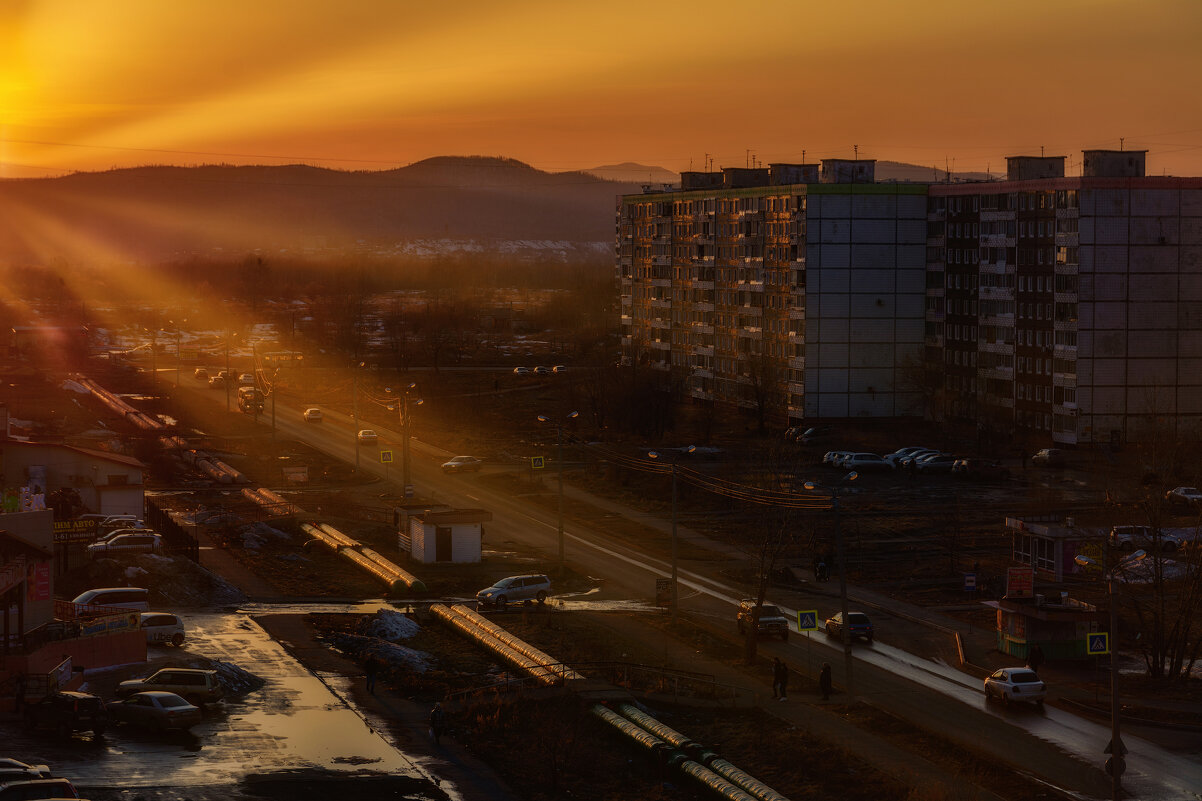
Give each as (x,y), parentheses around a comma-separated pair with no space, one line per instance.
(107,456)
(453,516)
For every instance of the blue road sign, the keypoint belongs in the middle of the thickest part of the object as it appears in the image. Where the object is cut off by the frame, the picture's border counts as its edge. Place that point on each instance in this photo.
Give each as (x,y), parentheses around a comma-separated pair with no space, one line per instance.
(1097,643)
(385,457)
(807,620)
(970,581)
(537,462)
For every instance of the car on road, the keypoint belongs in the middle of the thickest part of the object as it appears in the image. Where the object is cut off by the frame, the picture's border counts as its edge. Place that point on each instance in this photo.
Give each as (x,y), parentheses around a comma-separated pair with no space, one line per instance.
(559,368)
(515,589)
(201,373)
(163,628)
(1186,496)
(38,790)
(1130,538)
(246,380)
(13,770)
(521,371)
(217,382)
(462,464)
(67,712)
(973,467)
(156,710)
(196,685)
(858,626)
(1049,457)
(1015,684)
(367,437)
(312,415)
(540,370)
(136,542)
(768,619)
(834,458)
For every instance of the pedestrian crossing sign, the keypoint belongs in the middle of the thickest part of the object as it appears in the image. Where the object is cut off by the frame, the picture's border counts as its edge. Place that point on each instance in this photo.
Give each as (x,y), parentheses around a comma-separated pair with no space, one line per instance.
(537,462)
(1097,643)
(385,457)
(807,620)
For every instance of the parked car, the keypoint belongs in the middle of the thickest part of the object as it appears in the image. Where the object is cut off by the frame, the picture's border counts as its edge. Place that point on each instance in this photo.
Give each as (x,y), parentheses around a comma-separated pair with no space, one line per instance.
(1015,684)
(521,371)
(865,462)
(858,626)
(198,686)
(935,463)
(156,710)
(312,415)
(108,535)
(814,434)
(1130,538)
(163,627)
(913,458)
(1049,457)
(67,712)
(1188,496)
(13,770)
(770,620)
(101,600)
(201,373)
(540,370)
(901,453)
(462,464)
(367,437)
(514,589)
(980,468)
(140,542)
(36,789)
(833,458)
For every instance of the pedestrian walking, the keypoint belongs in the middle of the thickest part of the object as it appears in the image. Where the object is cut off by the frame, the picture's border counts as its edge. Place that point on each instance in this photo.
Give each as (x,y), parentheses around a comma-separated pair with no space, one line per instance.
(370,668)
(780,679)
(1034,657)
(824,681)
(438,722)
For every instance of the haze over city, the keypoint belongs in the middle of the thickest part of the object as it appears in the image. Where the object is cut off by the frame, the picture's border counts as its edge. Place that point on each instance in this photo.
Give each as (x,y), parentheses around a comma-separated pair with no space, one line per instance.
(377,84)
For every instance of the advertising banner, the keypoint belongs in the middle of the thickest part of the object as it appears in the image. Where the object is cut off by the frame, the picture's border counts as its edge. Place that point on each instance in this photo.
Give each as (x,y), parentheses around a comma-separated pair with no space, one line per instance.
(1020,582)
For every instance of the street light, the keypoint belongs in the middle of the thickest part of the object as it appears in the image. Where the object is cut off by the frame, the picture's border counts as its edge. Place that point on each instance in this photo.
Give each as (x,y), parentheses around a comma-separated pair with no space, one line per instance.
(675,586)
(1115,764)
(542,418)
(845,629)
(178,332)
(405,420)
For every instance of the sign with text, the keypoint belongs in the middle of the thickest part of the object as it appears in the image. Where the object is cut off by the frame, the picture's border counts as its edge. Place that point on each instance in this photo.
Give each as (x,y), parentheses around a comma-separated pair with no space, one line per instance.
(74,530)
(1020,582)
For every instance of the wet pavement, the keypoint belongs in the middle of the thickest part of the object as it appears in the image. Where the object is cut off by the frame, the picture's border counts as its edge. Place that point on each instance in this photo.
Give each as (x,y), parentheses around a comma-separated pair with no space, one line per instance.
(293,738)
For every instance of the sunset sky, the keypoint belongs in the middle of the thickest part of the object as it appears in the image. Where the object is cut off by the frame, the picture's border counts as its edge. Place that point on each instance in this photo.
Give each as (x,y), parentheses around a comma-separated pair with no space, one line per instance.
(368,84)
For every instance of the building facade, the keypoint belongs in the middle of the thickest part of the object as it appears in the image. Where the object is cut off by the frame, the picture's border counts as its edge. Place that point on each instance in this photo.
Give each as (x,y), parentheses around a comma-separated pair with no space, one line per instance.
(788,290)
(1069,308)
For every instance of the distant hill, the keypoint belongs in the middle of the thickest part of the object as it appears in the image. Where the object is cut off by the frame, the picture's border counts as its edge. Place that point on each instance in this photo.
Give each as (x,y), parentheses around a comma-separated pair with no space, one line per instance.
(165,212)
(484,204)
(630,172)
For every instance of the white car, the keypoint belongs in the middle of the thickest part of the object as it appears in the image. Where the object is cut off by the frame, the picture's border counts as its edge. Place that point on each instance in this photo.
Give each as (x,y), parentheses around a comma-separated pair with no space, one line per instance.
(312,415)
(833,458)
(1130,538)
(865,461)
(1015,684)
(901,453)
(12,770)
(367,437)
(133,542)
(521,371)
(1189,496)
(163,628)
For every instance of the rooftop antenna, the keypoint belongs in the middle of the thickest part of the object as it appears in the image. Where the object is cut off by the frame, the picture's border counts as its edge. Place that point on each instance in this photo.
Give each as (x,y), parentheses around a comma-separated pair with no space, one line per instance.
(707,162)
(1121,138)
(856,148)
(1041,151)
(803,155)
(947,171)
(747,157)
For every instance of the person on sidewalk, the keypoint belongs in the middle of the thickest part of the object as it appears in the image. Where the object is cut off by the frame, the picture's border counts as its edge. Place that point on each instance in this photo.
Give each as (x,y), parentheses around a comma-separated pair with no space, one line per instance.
(1034,657)
(438,722)
(780,679)
(824,681)
(370,668)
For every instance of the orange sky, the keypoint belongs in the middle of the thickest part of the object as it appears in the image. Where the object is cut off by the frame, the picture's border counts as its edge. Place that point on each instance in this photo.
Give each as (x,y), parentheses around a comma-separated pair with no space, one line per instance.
(366,84)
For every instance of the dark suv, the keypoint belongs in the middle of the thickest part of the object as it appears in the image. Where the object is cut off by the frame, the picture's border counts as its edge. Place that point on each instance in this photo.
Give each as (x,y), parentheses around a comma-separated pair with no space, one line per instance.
(770,620)
(67,712)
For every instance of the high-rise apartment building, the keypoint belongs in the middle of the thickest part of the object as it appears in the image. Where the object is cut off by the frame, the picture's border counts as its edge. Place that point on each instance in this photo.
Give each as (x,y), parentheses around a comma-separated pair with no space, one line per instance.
(785,290)
(1066,307)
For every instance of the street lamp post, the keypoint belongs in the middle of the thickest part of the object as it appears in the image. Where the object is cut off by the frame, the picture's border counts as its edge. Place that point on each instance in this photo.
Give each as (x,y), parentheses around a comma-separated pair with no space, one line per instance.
(845,629)
(1115,765)
(542,418)
(405,421)
(178,333)
(355,407)
(675,584)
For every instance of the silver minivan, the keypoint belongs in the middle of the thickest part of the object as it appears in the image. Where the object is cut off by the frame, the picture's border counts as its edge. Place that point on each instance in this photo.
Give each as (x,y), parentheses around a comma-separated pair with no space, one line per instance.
(135,598)
(515,589)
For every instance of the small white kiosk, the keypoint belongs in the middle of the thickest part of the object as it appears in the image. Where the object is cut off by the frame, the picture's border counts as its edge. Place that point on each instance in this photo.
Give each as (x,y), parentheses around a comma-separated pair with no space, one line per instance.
(451,535)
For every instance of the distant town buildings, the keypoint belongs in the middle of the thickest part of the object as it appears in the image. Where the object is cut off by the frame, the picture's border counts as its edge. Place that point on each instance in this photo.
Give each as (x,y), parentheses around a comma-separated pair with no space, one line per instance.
(1069,308)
